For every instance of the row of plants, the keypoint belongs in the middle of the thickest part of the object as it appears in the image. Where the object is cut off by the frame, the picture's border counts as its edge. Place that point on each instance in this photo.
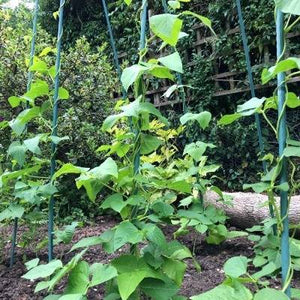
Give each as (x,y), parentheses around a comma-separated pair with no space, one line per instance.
(152,184)
(220,55)
(86,73)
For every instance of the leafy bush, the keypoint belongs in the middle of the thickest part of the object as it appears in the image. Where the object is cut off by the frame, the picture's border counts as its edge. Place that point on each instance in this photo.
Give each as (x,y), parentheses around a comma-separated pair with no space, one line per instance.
(89,77)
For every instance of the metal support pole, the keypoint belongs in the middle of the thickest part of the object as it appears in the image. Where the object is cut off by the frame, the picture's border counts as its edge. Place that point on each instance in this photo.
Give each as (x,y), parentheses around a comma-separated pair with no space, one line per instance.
(113,45)
(282,136)
(29,81)
(144,15)
(54,126)
(14,242)
(252,89)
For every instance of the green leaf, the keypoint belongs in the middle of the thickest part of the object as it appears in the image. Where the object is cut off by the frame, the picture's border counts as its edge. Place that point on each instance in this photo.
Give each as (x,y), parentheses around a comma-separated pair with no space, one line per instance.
(146,107)
(228,119)
(78,280)
(101,273)
(125,233)
(43,271)
(186,201)
(268,293)
(39,66)
(196,150)
(282,66)
(132,270)
(38,88)
(292,101)
(110,121)
(107,168)
(68,169)
(32,263)
(47,189)
(114,202)
(33,144)
(46,51)
(128,282)
(236,266)
(235,234)
(56,140)
(155,235)
(173,62)
(63,94)
(92,185)
(250,107)
(291,151)
(174,4)
(225,292)
(128,2)
(289,6)
(296,293)
(149,143)
(72,297)
(131,75)
(174,269)
(65,235)
(18,125)
(180,186)
(60,274)
(161,72)
(266,270)
(257,187)
(171,90)
(15,101)
(52,297)
(283,187)
(134,109)
(204,20)
(167,27)
(17,151)
(202,118)
(87,242)
(216,234)
(158,289)
(13,211)
(162,209)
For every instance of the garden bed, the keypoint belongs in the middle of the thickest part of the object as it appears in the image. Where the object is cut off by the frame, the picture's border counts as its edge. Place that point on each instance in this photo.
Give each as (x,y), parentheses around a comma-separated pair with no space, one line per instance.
(210,257)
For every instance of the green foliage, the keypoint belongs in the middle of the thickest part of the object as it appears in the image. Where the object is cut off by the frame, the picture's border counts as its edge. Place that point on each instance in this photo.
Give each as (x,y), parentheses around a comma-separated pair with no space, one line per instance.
(85,73)
(223,54)
(269,247)
(146,182)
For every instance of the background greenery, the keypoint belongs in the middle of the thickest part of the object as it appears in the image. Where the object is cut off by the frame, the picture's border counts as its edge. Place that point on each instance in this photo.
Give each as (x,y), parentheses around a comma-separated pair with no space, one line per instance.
(88,74)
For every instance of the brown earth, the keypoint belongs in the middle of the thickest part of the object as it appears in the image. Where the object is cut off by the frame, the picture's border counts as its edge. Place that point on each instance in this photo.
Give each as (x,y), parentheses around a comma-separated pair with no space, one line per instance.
(210,257)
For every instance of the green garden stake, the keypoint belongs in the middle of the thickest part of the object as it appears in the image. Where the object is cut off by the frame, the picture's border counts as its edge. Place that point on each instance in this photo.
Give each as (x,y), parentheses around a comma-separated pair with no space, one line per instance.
(113,46)
(14,242)
(144,16)
(29,81)
(282,136)
(252,89)
(54,126)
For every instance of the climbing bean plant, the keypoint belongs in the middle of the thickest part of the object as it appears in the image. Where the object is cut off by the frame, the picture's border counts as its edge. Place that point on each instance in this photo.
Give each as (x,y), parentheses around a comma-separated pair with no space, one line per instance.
(146,180)
(24,185)
(268,250)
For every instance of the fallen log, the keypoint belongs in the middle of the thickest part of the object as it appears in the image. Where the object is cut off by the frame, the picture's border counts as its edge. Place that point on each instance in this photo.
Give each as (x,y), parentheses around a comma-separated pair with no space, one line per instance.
(250,209)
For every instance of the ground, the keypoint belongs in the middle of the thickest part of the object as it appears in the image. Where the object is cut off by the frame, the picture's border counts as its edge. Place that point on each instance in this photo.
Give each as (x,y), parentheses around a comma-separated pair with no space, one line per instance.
(210,257)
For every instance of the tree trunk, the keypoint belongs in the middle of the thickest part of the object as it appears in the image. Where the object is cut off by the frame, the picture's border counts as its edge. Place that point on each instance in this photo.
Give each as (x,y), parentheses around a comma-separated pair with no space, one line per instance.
(250,209)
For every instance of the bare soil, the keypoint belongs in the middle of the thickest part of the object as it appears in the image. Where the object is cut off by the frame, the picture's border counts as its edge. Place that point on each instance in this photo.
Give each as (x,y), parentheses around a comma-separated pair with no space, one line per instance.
(210,257)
